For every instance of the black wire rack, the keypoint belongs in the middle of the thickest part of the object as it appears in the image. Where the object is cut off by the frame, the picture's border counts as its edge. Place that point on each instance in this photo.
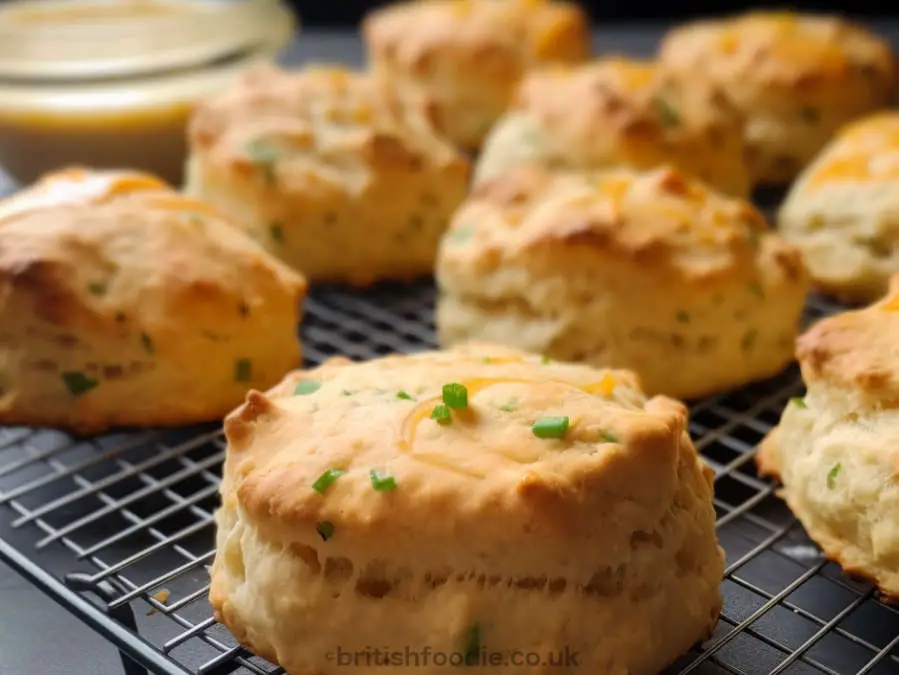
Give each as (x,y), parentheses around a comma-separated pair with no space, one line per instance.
(119,529)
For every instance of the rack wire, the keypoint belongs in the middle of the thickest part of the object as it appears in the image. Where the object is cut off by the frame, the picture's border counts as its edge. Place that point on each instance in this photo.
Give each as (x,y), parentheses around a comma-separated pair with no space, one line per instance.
(120,529)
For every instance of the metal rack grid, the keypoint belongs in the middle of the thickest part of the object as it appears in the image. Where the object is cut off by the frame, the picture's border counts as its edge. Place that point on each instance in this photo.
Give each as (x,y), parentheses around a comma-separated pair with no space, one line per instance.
(121,518)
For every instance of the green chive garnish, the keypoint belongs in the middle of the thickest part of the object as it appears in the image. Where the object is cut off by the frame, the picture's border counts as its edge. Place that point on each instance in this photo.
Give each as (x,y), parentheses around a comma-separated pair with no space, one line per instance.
(667,114)
(832,475)
(545,359)
(756,290)
(508,407)
(748,340)
(276,230)
(403,395)
(471,645)
(78,383)
(325,529)
(798,401)
(147,342)
(96,289)
(460,234)
(441,414)
(321,484)
(265,157)
(455,396)
(306,387)
(608,436)
(682,317)
(242,370)
(381,481)
(550,427)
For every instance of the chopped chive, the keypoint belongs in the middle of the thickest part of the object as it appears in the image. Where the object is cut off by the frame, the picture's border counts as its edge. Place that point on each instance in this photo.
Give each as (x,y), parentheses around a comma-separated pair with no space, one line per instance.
(78,383)
(667,114)
(550,427)
(832,475)
(381,481)
(147,342)
(306,387)
(756,289)
(455,396)
(264,156)
(441,414)
(471,645)
(682,317)
(325,529)
(96,289)
(276,230)
(403,395)
(508,407)
(545,359)
(608,436)
(346,392)
(748,340)
(798,401)
(460,234)
(243,370)
(487,359)
(324,481)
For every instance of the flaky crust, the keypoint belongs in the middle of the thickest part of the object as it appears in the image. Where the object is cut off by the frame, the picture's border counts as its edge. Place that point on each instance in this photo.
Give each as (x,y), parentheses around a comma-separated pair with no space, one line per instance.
(123,303)
(835,450)
(843,211)
(468,56)
(619,112)
(328,171)
(797,78)
(652,271)
(488,526)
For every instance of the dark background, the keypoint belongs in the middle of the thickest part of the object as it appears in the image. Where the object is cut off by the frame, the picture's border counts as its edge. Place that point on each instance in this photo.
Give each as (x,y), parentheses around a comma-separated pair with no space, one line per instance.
(349,12)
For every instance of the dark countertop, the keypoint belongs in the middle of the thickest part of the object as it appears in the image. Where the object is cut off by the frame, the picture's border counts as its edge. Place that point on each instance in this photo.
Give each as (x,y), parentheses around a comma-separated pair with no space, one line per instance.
(40,638)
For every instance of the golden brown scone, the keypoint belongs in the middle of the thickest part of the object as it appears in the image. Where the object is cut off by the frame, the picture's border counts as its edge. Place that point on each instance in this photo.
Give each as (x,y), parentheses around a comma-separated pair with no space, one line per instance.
(468,56)
(797,78)
(653,272)
(836,451)
(843,211)
(123,303)
(619,112)
(352,516)
(329,172)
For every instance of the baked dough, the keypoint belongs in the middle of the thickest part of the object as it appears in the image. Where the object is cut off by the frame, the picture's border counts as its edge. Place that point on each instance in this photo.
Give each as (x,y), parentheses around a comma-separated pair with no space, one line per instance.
(653,272)
(797,78)
(467,56)
(476,536)
(836,450)
(328,171)
(123,303)
(619,112)
(843,211)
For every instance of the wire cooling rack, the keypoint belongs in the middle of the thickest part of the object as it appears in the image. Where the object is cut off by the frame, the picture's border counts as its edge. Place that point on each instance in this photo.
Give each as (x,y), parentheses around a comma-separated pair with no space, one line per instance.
(119,529)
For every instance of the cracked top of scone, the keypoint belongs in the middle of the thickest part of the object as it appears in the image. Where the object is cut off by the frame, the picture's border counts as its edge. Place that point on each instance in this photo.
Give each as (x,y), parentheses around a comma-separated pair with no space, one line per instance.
(90,246)
(503,36)
(482,442)
(625,111)
(806,53)
(856,349)
(863,153)
(321,128)
(661,221)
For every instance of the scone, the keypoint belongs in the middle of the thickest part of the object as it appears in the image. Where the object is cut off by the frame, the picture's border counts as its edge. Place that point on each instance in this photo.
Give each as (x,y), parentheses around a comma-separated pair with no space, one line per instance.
(123,303)
(452,506)
(836,450)
(329,172)
(618,112)
(797,78)
(468,56)
(649,271)
(843,211)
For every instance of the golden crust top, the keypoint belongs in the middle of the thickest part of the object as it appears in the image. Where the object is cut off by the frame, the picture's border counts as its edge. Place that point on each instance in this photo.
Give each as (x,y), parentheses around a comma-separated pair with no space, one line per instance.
(660,220)
(506,37)
(294,130)
(91,246)
(856,349)
(378,416)
(783,49)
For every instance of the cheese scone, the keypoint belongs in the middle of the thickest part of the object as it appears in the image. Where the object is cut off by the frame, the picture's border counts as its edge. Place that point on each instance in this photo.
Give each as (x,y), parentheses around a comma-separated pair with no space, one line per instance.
(797,78)
(329,171)
(619,112)
(843,211)
(467,57)
(649,271)
(123,303)
(470,502)
(836,450)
